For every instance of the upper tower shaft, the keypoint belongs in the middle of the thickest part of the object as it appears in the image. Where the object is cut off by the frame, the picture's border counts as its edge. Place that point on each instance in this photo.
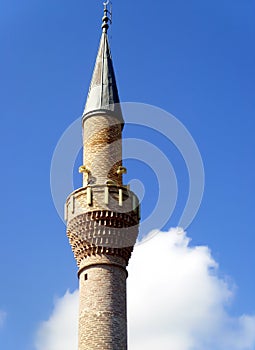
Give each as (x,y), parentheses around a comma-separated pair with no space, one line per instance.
(103,120)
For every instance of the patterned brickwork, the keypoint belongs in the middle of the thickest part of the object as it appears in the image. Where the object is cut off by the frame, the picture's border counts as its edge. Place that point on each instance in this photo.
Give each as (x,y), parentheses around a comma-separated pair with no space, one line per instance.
(102,148)
(90,228)
(102,233)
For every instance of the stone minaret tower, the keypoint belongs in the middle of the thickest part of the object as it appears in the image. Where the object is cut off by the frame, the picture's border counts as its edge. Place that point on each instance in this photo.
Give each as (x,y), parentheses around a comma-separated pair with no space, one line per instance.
(102,216)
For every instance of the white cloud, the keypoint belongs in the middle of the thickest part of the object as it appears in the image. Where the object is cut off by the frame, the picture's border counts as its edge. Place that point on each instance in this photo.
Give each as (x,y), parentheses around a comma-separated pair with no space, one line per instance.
(2,317)
(176,300)
(60,331)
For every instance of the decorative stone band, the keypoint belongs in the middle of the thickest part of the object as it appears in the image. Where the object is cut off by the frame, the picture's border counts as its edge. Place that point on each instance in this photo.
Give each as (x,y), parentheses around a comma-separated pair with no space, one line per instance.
(101,264)
(103,232)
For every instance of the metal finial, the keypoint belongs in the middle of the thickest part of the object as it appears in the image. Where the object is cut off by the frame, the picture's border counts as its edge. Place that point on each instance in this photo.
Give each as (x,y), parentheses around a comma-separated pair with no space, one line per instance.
(106,19)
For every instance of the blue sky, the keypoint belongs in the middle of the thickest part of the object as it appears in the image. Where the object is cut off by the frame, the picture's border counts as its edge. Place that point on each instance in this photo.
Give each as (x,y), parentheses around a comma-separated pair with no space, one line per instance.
(193,59)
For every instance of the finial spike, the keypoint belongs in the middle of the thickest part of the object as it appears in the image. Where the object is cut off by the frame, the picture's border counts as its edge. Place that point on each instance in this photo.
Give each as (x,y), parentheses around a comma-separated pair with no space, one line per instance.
(105,18)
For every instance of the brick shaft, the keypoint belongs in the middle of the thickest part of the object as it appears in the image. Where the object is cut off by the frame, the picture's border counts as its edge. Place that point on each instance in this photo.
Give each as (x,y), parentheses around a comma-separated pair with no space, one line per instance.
(103,319)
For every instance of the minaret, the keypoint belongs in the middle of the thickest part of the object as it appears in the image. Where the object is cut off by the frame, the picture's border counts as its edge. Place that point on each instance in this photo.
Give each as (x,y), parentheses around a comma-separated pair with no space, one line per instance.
(102,216)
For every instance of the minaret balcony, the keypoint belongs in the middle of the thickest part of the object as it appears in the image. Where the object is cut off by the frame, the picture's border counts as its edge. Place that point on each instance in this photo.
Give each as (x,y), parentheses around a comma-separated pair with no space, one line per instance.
(107,197)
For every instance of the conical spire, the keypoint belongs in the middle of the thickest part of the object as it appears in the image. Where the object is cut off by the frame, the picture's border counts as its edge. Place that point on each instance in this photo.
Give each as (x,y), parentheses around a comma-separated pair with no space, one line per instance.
(103,94)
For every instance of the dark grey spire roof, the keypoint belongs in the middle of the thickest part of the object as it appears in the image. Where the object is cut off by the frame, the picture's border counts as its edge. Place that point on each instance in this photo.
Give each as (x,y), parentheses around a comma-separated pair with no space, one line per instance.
(103,94)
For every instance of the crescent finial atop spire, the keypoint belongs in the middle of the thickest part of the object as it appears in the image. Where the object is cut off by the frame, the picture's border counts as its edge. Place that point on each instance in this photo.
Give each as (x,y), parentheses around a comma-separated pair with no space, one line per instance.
(105,18)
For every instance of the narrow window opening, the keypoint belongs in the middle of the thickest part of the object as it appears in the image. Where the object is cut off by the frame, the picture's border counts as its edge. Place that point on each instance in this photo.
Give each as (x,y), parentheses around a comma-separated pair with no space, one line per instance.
(86,276)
